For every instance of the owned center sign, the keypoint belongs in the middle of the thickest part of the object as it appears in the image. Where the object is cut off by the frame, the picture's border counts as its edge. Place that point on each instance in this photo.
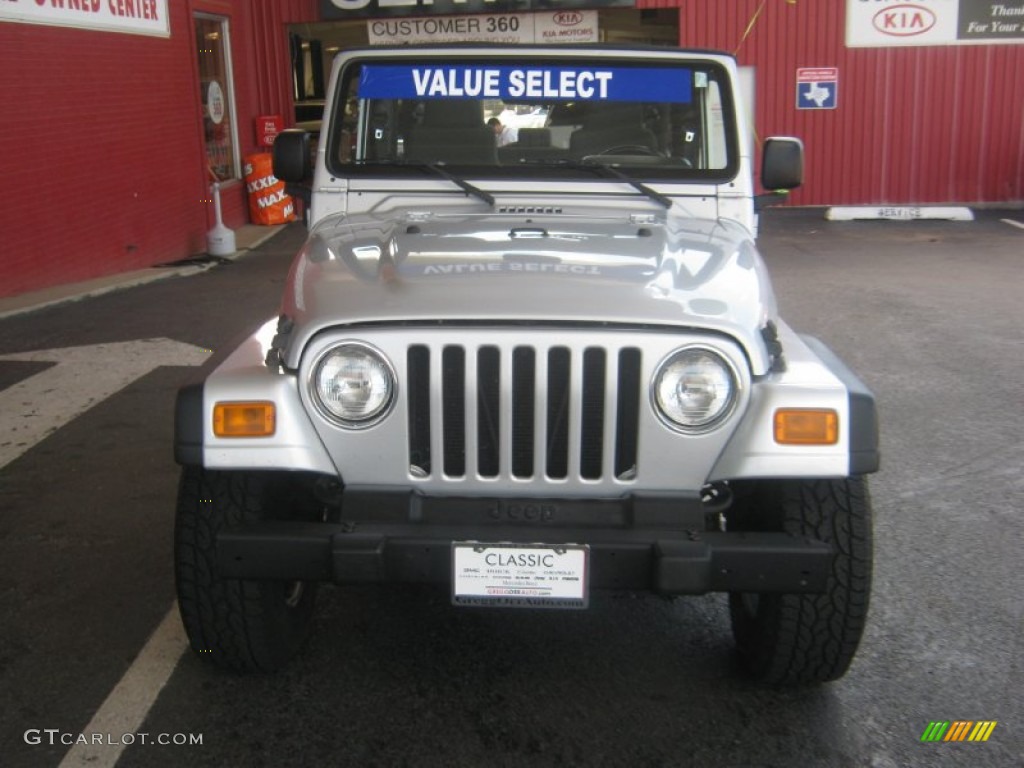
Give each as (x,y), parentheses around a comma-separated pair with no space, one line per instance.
(891,23)
(136,17)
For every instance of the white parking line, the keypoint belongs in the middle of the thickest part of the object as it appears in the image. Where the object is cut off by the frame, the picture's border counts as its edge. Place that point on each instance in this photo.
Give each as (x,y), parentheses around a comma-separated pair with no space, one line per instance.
(83,376)
(126,707)
(1012,223)
(35,408)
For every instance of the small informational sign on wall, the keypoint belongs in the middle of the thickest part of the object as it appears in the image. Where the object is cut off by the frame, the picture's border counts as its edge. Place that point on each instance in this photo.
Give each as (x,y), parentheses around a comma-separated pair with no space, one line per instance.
(267,128)
(565,27)
(817,87)
(890,23)
(509,28)
(136,17)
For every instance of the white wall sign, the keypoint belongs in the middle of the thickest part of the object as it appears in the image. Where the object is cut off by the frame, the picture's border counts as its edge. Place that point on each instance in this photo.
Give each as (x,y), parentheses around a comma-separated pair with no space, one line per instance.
(215,102)
(565,27)
(509,28)
(889,23)
(136,17)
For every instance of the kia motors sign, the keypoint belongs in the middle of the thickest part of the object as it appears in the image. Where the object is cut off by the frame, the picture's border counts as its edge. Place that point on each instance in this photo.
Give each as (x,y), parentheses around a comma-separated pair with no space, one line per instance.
(888,23)
(565,27)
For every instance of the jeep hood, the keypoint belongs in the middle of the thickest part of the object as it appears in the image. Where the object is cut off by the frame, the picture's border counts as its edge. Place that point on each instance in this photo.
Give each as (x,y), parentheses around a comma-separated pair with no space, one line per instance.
(570,267)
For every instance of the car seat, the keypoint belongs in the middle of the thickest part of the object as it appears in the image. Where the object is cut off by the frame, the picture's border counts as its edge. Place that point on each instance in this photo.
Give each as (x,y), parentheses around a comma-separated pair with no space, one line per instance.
(609,126)
(452,132)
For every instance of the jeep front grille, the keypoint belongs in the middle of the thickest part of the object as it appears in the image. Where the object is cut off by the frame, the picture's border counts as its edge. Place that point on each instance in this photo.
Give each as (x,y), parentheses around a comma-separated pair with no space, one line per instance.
(555,412)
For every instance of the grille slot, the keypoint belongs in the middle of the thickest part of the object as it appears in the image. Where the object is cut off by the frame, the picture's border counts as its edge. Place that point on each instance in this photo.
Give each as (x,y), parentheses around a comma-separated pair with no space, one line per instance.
(628,414)
(565,413)
(487,414)
(524,373)
(418,365)
(453,409)
(592,422)
(558,413)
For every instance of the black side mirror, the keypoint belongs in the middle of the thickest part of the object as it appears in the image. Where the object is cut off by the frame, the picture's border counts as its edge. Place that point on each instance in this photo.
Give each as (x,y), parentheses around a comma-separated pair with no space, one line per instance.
(782,163)
(292,162)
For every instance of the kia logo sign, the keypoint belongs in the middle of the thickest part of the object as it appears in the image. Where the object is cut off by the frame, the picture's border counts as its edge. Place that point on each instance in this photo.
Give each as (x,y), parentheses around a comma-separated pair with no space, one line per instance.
(568,18)
(904,20)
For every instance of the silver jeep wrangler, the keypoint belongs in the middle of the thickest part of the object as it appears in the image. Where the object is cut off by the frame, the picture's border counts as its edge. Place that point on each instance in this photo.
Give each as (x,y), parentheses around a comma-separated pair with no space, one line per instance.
(526,358)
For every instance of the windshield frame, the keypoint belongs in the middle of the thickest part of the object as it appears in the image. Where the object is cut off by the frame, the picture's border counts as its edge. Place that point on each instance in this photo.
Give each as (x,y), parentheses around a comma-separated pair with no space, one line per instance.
(556,169)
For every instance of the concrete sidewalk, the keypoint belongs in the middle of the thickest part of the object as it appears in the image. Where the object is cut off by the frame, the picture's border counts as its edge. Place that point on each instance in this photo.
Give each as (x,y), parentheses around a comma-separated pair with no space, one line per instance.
(247,238)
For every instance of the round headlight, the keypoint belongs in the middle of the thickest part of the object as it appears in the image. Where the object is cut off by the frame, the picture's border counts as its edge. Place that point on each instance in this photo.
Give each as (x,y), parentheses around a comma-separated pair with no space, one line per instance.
(354,385)
(694,389)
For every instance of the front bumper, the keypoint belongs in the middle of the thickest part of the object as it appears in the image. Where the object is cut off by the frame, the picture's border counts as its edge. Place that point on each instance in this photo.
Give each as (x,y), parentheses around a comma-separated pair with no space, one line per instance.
(632,545)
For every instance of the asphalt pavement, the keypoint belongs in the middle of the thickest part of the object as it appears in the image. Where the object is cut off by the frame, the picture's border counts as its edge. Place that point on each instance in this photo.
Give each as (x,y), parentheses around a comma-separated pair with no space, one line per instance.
(928,313)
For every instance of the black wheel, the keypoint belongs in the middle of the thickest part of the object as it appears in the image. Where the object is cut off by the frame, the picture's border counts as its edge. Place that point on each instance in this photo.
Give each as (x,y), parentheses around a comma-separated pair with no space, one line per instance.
(800,639)
(240,625)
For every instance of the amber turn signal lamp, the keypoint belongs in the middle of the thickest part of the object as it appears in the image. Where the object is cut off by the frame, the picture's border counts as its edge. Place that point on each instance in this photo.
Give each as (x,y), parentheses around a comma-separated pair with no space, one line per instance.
(253,419)
(806,426)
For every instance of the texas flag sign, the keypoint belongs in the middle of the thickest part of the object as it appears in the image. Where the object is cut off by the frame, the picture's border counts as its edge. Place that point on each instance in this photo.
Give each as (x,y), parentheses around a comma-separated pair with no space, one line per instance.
(817,87)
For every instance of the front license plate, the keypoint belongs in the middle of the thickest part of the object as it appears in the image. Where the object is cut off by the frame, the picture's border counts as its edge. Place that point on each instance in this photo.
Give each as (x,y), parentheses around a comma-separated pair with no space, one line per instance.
(520,575)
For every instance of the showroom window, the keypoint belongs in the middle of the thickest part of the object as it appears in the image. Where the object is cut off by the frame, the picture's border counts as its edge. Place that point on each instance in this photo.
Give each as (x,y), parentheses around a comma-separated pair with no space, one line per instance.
(217,93)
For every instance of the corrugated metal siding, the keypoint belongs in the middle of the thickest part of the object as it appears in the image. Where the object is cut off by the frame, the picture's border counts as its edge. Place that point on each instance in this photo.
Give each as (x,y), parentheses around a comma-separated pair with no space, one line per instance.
(102,152)
(913,125)
(271,54)
(103,142)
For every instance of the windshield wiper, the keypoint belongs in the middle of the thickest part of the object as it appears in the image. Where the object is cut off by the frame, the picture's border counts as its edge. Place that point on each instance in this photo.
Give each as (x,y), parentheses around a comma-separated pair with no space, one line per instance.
(464,185)
(654,194)
(609,171)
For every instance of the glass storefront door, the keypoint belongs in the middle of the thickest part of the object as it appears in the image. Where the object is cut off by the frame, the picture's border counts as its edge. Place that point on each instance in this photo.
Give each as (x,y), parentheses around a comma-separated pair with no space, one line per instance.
(217,94)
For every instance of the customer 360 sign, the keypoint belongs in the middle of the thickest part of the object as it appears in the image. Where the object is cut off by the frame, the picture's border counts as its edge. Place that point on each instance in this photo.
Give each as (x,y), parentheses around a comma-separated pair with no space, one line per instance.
(349,9)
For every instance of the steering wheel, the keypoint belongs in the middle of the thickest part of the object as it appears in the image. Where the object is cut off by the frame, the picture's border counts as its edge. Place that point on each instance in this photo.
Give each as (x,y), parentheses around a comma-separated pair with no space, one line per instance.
(631,149)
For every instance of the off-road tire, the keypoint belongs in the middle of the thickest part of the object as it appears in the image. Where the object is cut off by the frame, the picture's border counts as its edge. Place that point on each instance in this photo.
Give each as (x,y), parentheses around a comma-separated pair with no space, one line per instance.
(239,625)
(801,639)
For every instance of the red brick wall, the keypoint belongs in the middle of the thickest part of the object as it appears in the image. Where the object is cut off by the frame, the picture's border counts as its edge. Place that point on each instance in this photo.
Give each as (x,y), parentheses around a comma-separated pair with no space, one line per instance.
(103,164)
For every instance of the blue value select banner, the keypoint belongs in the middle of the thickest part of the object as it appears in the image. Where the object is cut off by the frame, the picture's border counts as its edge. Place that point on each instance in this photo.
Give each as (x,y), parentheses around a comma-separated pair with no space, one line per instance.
(562,83)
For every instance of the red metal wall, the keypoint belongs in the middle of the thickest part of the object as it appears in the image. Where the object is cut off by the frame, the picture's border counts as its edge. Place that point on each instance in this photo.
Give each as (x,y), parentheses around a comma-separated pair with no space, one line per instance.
(103,163)
(913,125)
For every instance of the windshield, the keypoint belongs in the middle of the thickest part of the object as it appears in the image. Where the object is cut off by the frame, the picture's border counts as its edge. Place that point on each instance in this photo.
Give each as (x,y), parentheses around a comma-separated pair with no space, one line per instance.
(659,119)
